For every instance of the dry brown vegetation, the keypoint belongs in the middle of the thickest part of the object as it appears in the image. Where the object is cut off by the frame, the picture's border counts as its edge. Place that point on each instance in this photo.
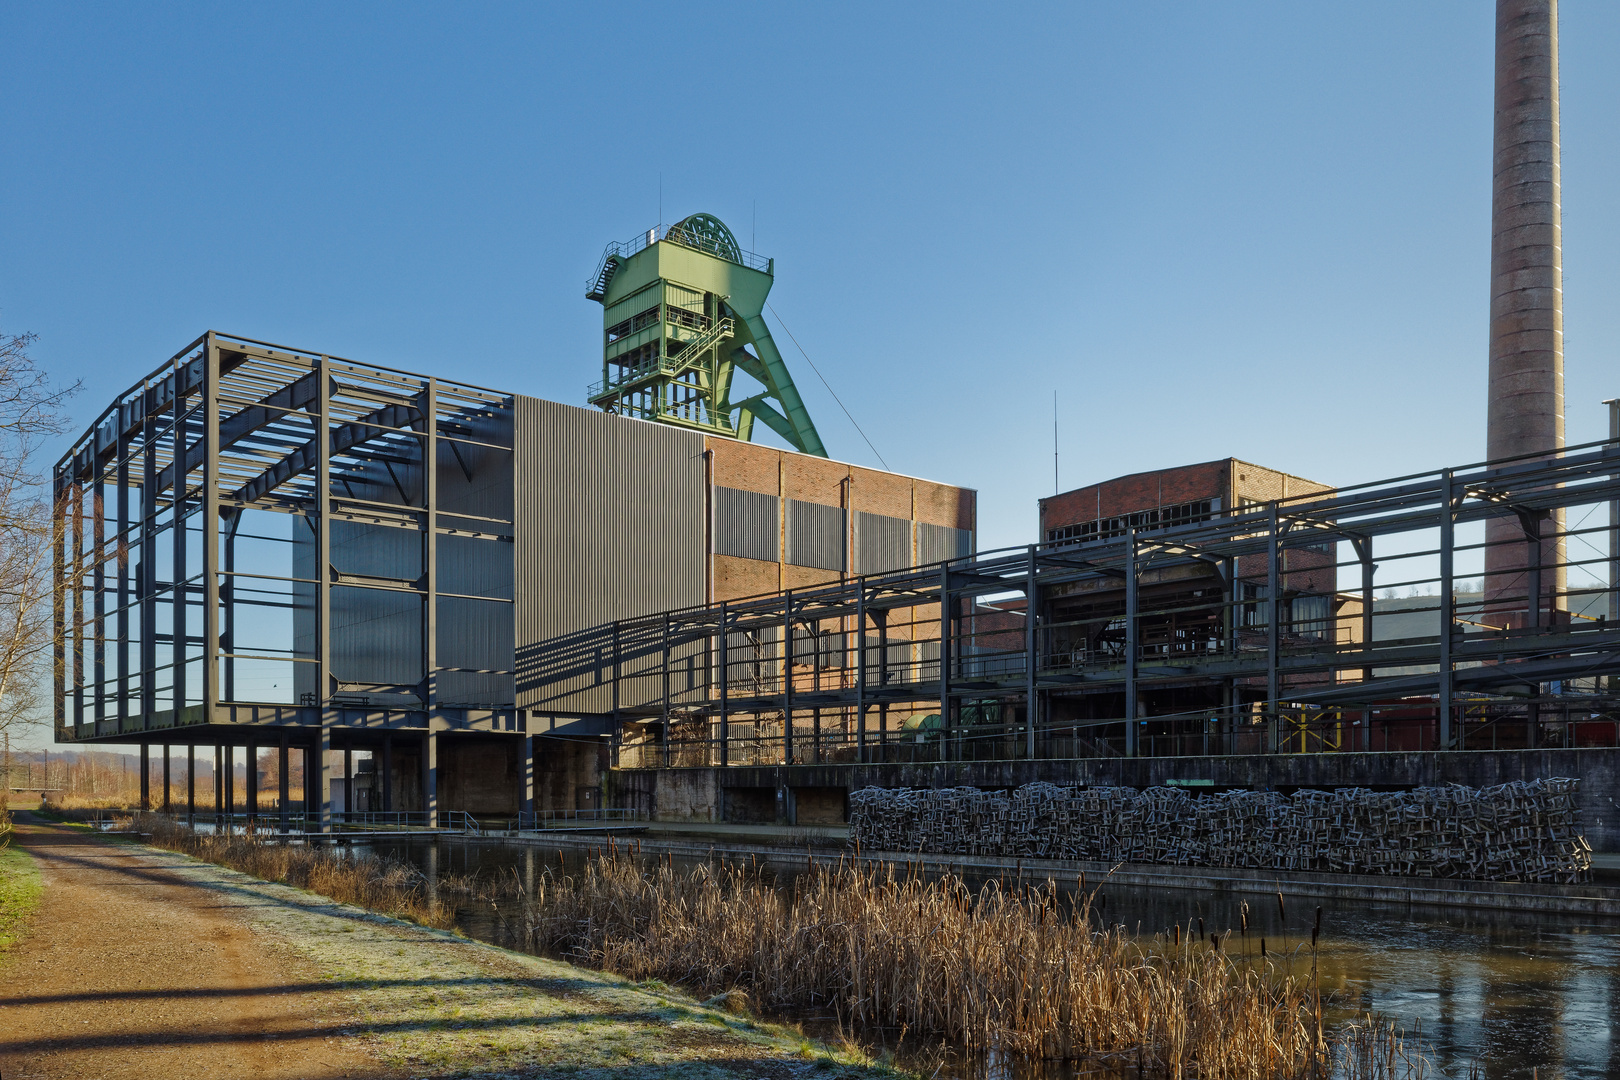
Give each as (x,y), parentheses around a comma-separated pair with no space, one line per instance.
(1014,970)
(383,885)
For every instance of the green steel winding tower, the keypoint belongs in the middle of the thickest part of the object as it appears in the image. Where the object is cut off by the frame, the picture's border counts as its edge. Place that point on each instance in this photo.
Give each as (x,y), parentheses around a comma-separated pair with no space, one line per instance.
(682,314)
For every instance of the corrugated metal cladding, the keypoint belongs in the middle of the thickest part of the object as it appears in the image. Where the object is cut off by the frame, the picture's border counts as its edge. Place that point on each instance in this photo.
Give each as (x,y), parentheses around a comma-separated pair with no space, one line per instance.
(936,543)
(815,535)
(882,543)
(747,524)
(609,525)
(475,566)
(377,644)
(370,550)
(474,636)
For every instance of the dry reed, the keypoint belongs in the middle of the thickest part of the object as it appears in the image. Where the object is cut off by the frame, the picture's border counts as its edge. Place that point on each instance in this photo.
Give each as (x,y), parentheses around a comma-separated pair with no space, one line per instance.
(377,884)
(1009,970)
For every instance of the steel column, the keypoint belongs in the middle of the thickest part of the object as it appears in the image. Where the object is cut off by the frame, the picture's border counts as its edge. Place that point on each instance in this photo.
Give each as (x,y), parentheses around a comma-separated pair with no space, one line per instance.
(618,666)
(210,526)
(947,707)
(1031,660)
(146,577)
(1614,518)
(1364,553)
(177,523)
(146,777)
(59,562)
(664,674)
(1131,602)
(787,677)
(191,784)
(122,502)
(430,499)
(860,673)
(1274,585)
(317,781)
(725,688)
(98,607)
(168,783)
(1448,604)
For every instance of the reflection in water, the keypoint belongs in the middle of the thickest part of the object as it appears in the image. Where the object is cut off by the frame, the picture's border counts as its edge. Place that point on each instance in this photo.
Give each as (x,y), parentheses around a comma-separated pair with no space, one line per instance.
(1514,991)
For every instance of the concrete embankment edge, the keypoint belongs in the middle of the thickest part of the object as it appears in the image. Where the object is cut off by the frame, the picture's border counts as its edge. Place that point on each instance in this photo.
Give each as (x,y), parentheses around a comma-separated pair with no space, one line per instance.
(1589,900)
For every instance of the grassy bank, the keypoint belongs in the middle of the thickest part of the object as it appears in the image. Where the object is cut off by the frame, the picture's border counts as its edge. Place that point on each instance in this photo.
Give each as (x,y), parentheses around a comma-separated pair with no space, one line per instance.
(382,885)
(429,1003)
(20,887)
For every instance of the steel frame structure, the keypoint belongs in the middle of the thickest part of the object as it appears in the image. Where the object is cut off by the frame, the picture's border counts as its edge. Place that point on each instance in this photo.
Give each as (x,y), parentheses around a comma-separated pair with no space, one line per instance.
(736,684)
(194,526)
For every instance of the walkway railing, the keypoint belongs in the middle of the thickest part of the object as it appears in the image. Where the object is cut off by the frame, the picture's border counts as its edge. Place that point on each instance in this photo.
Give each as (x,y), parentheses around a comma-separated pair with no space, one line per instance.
(550,819)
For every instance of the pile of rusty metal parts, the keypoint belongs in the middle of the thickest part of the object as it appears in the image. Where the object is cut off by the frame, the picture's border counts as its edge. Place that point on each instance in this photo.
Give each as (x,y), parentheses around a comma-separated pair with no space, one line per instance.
(1521,831)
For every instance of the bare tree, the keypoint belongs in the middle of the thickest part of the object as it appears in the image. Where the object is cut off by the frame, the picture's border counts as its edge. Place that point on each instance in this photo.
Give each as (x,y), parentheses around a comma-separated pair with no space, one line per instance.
(31,411)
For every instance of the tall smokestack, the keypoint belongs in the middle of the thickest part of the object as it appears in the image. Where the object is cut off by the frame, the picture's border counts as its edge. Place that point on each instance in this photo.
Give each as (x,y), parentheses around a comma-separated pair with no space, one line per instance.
(1526,412)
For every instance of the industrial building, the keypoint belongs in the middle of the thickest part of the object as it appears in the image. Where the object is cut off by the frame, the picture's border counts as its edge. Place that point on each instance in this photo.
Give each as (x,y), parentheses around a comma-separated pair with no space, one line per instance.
(260,546)
(515,605)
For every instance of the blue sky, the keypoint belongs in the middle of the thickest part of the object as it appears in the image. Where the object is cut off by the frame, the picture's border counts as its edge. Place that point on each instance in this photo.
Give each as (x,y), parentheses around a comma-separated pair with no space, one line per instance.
(1253,229)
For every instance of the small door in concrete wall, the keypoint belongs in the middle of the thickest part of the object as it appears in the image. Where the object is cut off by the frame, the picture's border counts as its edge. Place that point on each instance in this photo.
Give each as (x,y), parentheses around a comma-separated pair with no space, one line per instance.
(821,805)
(749,805)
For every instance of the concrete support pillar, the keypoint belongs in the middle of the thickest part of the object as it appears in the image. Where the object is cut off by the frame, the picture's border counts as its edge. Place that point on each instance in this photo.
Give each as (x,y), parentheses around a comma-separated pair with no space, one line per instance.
(430,778)
(285,789)
(252,799)
(323,774)
(388,772)
(229,780)
(1526,391)
(219,781)
(526,768)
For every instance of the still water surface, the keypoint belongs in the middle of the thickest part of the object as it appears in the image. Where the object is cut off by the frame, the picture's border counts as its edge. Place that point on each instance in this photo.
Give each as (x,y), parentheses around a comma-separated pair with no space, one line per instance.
(1520,994)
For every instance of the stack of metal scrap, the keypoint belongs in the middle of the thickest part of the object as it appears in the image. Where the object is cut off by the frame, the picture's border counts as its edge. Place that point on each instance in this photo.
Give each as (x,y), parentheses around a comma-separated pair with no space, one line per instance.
(1512,832)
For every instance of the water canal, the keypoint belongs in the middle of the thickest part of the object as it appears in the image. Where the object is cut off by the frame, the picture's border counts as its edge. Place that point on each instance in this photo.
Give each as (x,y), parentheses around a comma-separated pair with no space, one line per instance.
(1523,995)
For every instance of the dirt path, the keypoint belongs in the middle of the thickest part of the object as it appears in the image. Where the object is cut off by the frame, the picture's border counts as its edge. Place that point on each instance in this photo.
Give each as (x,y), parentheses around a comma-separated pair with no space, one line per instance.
(132,971)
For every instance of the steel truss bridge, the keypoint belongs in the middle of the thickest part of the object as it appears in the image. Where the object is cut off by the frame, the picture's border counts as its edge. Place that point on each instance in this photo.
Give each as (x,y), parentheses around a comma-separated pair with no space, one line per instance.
(941,663)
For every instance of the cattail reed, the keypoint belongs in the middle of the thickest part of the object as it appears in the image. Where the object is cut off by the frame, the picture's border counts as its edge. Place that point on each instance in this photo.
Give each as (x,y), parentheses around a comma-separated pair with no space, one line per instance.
(1009,967)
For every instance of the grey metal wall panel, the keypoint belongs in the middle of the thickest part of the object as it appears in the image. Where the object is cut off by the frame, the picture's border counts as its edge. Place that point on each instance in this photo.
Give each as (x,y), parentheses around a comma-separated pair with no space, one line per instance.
(610,524)
(815,535)
(882,543)
(936,543)
(747,524)
(475,635)
(475,566)
(377,643)
(380,551)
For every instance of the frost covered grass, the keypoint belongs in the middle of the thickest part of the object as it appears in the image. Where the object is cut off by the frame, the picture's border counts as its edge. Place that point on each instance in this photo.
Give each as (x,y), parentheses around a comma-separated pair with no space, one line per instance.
(20,886)
(383,885)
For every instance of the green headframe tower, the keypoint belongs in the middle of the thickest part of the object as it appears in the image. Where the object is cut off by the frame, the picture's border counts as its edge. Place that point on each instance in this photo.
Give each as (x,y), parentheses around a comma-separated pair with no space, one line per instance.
(682,315)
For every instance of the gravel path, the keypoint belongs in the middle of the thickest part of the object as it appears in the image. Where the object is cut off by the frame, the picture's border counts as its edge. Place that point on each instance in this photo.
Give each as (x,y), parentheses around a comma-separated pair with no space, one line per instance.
(130,970)
(146,963)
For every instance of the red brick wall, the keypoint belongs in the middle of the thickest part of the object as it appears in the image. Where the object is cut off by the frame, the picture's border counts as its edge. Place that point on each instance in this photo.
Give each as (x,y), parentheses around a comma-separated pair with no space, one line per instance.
(1139,491)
